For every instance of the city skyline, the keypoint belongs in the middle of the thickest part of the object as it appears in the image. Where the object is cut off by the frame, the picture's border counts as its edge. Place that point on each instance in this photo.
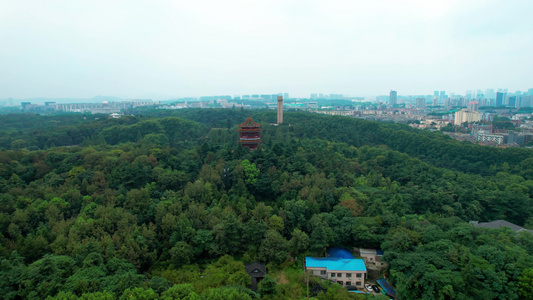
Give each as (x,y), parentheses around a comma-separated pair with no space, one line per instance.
(164,50)
(440,93)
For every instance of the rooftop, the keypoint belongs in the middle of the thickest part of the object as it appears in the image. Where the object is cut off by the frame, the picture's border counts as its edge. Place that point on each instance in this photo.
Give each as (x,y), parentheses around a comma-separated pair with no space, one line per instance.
(249,123)
(500,223)
(371,251)
(256,267)
(335,264)
(387,287)
(339,253)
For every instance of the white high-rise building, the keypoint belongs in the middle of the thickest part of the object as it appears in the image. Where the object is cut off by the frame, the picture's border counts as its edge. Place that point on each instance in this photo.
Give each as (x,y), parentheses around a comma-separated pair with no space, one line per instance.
(464,115)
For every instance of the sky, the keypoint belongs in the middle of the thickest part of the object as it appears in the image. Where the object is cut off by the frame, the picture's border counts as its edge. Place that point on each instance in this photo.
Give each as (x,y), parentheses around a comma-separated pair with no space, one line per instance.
(169,49)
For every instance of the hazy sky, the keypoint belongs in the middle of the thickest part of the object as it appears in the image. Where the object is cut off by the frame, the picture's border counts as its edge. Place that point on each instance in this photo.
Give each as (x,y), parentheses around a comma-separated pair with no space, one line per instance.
(163,49)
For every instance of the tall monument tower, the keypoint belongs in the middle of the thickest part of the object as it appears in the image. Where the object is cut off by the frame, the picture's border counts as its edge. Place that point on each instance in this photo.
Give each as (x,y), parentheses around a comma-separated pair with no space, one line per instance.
(280,109)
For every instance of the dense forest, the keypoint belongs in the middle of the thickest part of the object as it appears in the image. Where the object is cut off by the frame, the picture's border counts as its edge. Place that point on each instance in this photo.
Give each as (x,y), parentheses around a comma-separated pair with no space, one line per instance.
(165,204)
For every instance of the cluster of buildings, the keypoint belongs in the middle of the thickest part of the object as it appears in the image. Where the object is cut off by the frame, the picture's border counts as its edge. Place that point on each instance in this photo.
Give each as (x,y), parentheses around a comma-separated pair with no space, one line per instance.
(485,134)
(343,268)
(258,97)
(105,107)
(480,129)
(501,97)
(347,272)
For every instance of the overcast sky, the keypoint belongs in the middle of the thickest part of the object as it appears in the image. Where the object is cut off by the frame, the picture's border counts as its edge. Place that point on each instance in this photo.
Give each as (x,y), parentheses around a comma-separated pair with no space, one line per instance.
(166,49)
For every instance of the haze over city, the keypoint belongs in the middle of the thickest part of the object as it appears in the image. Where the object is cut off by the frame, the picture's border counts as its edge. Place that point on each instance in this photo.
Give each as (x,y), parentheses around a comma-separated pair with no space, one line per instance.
(168,49)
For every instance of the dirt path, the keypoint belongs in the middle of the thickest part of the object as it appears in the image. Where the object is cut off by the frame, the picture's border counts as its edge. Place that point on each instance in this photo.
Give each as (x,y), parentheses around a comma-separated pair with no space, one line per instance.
(283,278)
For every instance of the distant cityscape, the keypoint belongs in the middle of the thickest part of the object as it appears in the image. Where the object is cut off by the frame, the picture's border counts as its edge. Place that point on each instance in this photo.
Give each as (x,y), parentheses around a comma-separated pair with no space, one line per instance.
(490,117)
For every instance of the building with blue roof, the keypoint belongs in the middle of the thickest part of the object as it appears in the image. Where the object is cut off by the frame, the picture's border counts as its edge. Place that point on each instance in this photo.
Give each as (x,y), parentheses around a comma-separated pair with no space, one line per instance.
(347,272)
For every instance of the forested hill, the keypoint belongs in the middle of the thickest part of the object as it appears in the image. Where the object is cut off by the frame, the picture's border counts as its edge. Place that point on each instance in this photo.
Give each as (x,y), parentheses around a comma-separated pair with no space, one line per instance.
(433,147)
(167,205)
(41,132)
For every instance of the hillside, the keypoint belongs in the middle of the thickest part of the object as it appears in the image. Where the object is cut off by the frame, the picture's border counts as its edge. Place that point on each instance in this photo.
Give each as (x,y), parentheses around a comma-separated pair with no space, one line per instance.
(166,205)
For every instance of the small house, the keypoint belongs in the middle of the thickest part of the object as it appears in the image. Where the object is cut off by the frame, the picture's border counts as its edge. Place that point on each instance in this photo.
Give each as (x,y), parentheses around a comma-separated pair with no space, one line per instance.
(257,272)
(373,258)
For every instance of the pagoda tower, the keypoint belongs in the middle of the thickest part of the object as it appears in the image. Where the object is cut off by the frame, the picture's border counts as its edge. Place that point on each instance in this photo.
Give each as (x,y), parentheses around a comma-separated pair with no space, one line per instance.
(249,132)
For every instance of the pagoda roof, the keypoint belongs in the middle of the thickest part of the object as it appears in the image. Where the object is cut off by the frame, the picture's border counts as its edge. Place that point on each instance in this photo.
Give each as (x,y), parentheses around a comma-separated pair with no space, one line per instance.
(249,123)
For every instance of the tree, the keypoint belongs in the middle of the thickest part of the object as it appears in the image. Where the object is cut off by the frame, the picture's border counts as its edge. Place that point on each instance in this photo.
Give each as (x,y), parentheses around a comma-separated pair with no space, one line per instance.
(525,284)
(10,272)
(276,223)
(322,235)
(180,292)
(46,277)
(273,247)
(226,294)
(181,254)
(299,242)
(228,234)
(401,239)
(267,286)
(139,294)
(250,171)
(226,271)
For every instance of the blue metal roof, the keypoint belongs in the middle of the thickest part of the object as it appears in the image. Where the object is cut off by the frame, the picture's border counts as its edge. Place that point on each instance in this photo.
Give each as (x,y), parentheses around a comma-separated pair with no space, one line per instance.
(335,264)
(339,253)
(386,287)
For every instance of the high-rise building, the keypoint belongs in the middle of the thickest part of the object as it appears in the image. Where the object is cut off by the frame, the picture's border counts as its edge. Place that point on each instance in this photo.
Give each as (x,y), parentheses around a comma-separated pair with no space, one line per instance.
(489,93)
(442,95)
(435,93)
(392,98)
(435,101)
(286,96)
(499,98)
(420,102)
(464,115)
(313,96)
(512,101)
(525,101)
(468,94)
(472,106)
(530,91)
